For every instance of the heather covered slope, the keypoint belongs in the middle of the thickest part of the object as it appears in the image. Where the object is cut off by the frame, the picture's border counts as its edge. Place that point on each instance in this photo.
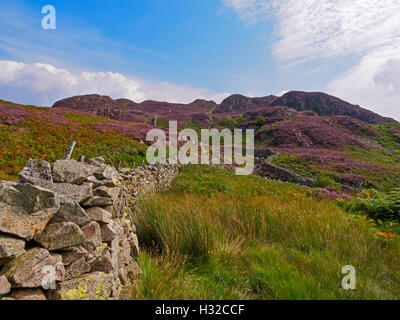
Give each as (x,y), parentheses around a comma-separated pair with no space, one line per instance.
(318,136)
(42,133)
(330,145)
(336,150)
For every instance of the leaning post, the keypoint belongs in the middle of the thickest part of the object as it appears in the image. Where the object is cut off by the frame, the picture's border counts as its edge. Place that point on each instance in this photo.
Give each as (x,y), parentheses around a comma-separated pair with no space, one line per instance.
(69,151)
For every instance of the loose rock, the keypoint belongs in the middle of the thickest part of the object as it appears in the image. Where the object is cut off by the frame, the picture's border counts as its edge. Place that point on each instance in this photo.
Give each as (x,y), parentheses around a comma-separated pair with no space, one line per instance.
(5,286)
(68,171)
(36,172)
(71,212)
(68,192)
(97,202)
(106,172)
(98,214)
(92,286)
(103,263)
(60,235)
(19,223)
(28,294)
(98,161)
(107,192)
(73,254)
(76,268)
(10,247)
(29,198)
(92,233)
(110,231)
(29,269)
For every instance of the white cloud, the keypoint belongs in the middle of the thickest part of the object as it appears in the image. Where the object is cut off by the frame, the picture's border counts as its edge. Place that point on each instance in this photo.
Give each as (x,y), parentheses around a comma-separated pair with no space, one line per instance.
(43,84)
(374,82)
(311,30)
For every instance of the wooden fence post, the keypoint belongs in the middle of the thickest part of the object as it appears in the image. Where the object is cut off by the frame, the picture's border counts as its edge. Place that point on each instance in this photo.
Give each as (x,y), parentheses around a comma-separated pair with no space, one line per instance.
(69,151)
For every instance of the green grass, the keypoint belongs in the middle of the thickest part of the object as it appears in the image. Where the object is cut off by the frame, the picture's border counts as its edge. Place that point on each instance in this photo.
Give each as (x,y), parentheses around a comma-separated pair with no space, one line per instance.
(388,135)
(192,125)
(322,177)
(163,123)
(84,118)
(214,235)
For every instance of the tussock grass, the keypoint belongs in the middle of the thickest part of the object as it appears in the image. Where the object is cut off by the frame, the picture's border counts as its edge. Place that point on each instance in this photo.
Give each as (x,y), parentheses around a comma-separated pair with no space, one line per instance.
(257,239)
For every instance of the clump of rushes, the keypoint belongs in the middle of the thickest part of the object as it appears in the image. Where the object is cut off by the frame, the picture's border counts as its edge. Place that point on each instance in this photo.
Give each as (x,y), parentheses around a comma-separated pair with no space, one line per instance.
(257,239)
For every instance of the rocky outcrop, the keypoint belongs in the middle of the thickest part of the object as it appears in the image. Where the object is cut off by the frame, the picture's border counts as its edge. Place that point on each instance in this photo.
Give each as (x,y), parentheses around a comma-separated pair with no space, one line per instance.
(326,105)
(66,231)
(318,102)
(238,103)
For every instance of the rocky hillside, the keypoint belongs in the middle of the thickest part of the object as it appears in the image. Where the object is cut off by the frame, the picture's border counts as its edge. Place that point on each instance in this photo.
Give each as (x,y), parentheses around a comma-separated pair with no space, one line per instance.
(126,110)
(145,112)
(313,135)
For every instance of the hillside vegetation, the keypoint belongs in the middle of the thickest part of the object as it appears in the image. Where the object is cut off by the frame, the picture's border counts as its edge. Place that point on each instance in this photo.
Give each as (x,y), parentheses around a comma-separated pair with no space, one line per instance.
(318,136)
(214,235)
(28,132)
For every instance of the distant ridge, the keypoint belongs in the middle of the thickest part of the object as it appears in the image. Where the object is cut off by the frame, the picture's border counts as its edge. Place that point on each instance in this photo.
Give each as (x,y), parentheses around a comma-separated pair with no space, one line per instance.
(123,109)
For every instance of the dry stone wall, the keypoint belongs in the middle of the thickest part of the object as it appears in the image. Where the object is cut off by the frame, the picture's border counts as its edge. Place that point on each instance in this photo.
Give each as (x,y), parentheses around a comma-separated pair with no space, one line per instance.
(265,168)
(66,232)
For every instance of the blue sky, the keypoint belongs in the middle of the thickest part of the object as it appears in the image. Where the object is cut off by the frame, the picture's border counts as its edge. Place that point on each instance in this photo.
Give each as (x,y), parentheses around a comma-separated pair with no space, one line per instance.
(180,50)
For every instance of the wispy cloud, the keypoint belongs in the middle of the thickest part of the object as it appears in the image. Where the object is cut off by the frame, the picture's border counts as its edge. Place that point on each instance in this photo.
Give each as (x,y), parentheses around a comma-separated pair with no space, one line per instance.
(251,11)
(312,29)
(315,30)
(23,39)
